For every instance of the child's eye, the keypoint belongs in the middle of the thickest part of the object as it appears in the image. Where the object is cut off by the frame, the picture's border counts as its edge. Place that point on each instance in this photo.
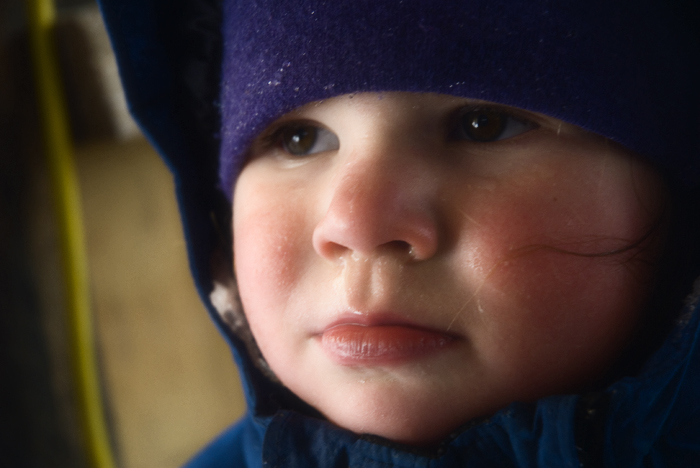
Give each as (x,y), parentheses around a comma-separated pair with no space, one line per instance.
(303,140)
(484,125)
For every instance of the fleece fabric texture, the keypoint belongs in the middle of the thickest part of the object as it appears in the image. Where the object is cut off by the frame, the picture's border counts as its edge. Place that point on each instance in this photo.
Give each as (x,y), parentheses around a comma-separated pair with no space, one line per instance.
(282,54)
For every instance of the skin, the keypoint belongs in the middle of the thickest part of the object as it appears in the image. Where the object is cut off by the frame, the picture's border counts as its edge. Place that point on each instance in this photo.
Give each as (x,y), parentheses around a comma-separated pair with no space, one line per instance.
(493,244)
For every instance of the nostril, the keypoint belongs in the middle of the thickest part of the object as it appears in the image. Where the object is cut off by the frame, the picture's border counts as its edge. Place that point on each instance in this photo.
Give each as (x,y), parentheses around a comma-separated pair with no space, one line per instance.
(400,247)
(332,250)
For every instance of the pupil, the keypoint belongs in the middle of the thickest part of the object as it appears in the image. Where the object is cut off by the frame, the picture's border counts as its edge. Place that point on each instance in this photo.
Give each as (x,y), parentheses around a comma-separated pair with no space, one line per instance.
(484,125)
(481,121)
(299,140)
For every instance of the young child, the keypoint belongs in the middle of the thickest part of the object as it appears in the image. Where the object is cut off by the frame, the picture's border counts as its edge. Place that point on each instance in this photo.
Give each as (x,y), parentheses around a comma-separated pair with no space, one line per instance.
(462,232)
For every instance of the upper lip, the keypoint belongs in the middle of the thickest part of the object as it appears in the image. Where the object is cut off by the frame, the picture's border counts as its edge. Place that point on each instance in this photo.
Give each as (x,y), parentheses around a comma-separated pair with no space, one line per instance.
(377,319)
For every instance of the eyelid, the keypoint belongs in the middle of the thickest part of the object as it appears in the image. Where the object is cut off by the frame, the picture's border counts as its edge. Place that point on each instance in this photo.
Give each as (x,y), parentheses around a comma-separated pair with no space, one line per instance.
(528,120)
(269,139)
(518,114)
(273,133)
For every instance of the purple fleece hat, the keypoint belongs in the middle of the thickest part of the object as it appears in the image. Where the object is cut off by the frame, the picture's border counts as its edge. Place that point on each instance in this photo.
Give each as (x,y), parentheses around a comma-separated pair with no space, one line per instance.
(618,68)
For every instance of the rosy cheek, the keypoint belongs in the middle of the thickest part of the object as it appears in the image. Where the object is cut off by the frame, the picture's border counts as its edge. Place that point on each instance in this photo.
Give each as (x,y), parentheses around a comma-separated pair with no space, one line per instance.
(572,207)
(265,247)
(540,292)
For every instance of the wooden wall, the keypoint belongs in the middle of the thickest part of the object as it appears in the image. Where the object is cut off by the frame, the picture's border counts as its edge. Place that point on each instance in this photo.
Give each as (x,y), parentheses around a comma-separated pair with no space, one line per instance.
(170,376)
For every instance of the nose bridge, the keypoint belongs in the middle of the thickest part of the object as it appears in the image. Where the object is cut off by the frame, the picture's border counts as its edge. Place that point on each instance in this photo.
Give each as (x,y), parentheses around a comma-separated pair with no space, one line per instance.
(378,197)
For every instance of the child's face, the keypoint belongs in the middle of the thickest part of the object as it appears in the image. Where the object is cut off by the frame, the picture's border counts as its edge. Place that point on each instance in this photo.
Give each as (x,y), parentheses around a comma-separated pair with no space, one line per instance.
(403,278)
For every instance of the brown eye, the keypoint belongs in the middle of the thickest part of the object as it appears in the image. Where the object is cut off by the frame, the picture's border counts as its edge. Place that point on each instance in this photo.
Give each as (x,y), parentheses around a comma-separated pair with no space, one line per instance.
(302,140)
(299,140)
(485,125)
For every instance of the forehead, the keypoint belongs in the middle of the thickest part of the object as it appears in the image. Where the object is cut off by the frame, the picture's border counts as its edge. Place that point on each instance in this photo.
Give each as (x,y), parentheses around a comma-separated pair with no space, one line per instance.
(372,102)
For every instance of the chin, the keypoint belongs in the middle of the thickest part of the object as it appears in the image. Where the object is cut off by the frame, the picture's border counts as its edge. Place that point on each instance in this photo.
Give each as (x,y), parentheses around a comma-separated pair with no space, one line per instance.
(413,418)
(416,428)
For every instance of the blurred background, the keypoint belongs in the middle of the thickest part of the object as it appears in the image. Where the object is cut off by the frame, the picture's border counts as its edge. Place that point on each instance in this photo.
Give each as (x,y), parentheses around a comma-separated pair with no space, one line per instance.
(169,382)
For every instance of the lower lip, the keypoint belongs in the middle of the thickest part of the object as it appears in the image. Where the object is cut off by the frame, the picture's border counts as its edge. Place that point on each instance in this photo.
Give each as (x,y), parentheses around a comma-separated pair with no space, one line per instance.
(353,344)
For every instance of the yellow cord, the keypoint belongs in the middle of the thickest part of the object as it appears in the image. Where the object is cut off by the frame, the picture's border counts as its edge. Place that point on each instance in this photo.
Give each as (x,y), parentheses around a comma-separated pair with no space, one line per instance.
(58,146)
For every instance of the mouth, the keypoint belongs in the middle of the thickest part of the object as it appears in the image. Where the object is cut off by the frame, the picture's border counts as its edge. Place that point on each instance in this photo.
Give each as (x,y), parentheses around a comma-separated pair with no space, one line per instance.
(362,344)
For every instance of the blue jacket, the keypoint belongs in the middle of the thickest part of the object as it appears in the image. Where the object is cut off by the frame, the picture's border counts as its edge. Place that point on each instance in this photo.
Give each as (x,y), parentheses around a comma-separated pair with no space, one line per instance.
(165,51)
(650,420)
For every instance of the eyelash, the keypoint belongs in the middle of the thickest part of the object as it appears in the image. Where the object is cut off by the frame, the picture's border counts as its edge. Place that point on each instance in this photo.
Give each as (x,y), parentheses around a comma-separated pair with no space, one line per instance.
(275,138)
(478,124)
(488,124)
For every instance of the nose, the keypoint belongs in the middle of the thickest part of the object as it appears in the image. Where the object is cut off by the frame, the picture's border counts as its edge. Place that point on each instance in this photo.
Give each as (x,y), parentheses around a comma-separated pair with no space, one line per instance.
(378,201)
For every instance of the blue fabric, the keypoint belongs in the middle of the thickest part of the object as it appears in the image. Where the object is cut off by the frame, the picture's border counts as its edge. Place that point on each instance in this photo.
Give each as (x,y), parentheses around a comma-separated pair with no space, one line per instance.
(240,445)
(653,420)
(579,64)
